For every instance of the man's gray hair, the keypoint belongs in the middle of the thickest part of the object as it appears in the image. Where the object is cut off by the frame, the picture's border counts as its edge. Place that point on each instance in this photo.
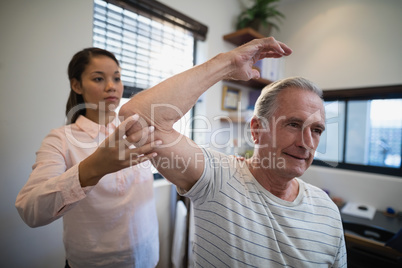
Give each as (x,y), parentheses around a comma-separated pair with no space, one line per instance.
(267,104)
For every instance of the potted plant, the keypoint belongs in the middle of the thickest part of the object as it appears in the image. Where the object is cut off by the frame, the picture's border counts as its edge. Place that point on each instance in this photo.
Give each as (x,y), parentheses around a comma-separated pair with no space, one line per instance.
(260,14)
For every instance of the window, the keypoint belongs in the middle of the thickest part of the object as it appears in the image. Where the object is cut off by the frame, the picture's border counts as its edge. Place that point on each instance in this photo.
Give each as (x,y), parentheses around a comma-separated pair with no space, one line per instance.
(364,130)
(151,41)
(149,49)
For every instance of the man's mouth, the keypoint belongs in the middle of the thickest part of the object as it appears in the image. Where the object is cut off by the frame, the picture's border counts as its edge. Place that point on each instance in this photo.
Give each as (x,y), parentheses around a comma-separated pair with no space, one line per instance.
(297,157)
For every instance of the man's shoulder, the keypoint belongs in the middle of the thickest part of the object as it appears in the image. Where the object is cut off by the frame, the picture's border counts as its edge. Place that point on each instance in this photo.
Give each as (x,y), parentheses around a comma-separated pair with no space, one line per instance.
(213,155)
(311,187)
(318,196)
(315,192)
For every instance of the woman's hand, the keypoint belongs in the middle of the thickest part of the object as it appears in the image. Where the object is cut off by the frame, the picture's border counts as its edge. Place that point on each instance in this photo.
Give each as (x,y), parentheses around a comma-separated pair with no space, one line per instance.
(117,152)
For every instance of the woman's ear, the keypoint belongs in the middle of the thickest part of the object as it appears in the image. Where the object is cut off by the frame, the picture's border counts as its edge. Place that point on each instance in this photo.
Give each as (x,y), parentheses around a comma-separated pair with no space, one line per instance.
(76,86)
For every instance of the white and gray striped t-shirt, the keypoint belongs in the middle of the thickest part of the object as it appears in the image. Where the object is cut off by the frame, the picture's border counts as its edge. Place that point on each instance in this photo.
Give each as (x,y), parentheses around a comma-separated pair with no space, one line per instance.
(238,223)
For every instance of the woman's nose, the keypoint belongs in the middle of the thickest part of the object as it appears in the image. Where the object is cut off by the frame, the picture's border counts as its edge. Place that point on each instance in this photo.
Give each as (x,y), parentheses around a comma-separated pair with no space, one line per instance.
(110,86)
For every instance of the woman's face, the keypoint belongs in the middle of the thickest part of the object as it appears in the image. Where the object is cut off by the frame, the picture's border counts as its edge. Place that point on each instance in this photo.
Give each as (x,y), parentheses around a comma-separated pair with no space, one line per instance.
(100,85)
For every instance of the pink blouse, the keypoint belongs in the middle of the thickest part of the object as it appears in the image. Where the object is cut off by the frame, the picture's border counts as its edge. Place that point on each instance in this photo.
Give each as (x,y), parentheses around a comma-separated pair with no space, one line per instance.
(111,224)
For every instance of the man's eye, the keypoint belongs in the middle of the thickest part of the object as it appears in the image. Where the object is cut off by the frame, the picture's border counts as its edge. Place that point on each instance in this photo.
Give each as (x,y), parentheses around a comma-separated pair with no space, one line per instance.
(98,79)
(117,79)
(294,124)
(318,131)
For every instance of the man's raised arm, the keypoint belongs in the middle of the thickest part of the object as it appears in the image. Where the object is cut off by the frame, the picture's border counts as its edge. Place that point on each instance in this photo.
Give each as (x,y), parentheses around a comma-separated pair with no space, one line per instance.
(179,159)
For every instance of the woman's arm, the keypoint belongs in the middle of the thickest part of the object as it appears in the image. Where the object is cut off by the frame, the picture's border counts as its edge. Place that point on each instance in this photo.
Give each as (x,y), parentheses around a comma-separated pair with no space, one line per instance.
(55,187)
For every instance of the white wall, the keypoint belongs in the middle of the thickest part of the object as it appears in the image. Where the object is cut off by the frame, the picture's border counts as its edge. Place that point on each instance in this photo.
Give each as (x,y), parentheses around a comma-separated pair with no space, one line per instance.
(38,38)
(347,44)
(344,43)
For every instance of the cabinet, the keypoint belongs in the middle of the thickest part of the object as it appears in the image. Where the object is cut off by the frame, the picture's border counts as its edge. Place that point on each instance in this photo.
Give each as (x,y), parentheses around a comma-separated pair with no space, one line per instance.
(238,38)
(365,241)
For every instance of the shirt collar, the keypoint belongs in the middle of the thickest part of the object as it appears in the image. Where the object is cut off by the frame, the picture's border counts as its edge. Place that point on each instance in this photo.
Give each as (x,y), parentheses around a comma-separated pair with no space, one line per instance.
(93,129)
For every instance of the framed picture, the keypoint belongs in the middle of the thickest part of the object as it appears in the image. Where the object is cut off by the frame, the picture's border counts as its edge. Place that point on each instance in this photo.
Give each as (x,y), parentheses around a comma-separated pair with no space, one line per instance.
(230,98)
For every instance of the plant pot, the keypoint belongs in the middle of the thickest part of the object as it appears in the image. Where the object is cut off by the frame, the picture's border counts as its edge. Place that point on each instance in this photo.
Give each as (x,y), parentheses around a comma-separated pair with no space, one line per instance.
(255,24)
(264,29)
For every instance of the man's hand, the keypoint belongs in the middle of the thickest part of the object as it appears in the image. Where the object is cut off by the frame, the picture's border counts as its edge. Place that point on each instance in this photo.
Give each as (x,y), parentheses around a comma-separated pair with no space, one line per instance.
(244,57)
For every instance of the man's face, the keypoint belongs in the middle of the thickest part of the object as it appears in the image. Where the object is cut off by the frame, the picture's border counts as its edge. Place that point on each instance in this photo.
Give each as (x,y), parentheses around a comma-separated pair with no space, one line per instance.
(294,132)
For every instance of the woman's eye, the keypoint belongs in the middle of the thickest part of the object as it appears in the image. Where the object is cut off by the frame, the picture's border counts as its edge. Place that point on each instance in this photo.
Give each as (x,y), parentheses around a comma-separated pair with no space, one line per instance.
(117,79)
(98,79)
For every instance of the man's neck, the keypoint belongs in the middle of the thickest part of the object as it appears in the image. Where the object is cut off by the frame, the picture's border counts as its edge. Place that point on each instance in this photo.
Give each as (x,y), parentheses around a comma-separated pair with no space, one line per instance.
(282,187)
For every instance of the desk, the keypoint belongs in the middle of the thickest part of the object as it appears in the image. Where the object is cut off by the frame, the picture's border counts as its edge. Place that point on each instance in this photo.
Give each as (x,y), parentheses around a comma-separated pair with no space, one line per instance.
(365,241)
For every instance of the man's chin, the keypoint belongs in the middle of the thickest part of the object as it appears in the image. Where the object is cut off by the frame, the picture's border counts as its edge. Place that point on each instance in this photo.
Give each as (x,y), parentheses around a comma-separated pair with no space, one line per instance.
(295,171)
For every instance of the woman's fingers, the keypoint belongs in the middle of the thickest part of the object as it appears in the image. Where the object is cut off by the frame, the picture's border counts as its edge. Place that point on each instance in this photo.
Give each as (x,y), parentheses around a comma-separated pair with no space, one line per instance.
(143,153)
(131,131)
(138,124)
(141,137)
(141,158)
(126,125)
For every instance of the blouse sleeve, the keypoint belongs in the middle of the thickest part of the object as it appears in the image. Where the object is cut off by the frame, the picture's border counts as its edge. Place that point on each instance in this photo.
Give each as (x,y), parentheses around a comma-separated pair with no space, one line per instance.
(52,188)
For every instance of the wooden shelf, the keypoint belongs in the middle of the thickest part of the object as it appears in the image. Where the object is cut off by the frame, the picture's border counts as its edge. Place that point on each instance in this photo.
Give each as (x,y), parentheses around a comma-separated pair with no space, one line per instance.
(232,119)
(254,83)
(242,36)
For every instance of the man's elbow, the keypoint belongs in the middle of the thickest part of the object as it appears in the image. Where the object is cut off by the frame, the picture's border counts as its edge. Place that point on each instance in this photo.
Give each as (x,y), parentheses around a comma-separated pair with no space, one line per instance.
(136,105)
(158,115)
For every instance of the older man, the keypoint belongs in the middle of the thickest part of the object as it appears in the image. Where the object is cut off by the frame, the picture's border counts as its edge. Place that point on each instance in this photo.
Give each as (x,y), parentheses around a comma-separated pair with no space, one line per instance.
(254,213)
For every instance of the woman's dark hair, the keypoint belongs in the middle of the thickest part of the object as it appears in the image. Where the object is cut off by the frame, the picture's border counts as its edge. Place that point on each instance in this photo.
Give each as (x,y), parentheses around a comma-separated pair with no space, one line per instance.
(75,103)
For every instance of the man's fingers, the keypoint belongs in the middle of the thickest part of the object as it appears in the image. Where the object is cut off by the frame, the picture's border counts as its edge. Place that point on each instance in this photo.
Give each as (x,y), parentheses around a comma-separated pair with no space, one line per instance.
(276,47)
(285,48)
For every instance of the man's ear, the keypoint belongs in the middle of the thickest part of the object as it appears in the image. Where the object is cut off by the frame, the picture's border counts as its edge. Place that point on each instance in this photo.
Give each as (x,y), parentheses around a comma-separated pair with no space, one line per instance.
(256,128)
(76,86)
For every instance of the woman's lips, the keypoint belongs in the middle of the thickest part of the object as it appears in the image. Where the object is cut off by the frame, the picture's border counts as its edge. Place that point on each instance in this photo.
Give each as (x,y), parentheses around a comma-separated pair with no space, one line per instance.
(111,98)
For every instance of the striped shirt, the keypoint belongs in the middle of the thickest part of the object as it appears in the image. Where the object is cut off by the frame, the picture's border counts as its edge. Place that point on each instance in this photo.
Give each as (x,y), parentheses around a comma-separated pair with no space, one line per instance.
(238,223)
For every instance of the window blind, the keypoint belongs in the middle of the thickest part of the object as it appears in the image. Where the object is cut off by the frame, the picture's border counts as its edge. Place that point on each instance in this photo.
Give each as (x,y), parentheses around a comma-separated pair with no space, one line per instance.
(148,48)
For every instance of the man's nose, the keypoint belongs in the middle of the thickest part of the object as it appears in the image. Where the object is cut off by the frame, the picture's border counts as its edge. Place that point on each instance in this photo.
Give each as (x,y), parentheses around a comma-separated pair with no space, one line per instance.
(305,139)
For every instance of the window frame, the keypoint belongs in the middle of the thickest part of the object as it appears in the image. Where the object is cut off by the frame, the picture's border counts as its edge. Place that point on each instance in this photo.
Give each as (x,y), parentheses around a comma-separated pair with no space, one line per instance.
(366,93)
(165,13)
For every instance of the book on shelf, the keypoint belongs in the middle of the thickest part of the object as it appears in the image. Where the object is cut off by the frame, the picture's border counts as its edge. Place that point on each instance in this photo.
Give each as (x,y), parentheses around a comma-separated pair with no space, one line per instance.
(270,68)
